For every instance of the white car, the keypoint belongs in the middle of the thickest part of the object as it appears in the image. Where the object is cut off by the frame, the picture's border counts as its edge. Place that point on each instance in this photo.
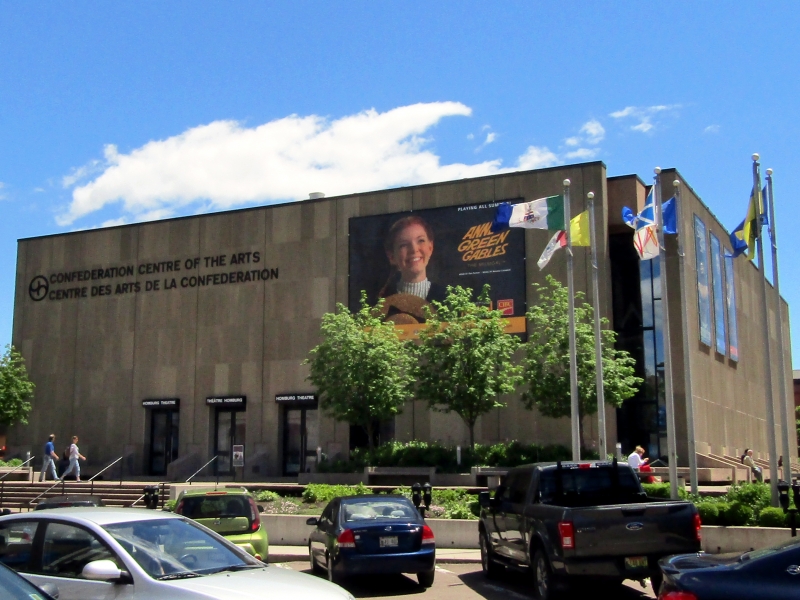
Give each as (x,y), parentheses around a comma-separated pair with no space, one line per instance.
(127,554)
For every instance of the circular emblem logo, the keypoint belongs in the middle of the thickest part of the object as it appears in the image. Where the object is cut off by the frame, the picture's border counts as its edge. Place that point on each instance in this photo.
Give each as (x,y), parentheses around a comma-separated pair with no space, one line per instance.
(38,288)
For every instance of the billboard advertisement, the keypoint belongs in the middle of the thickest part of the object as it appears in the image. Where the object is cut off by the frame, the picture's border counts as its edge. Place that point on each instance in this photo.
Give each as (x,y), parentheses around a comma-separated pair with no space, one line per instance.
(410,258)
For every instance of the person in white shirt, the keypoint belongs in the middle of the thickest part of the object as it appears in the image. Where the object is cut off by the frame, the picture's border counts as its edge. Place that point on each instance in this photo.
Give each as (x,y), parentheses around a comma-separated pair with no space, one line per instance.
(74,455)
(635,459)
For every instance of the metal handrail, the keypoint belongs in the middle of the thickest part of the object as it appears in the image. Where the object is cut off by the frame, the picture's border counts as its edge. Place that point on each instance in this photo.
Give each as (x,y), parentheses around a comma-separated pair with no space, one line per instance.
(135,502)
(17,467)
(189,481)
(2,479)
(61,481)
(108,466)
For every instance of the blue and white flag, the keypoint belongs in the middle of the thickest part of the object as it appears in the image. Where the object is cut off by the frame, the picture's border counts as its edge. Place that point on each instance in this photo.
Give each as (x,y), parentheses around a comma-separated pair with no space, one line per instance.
(645,238)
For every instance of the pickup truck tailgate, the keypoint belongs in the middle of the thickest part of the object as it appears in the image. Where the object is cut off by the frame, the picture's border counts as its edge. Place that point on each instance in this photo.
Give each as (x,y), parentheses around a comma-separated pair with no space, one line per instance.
(634,529)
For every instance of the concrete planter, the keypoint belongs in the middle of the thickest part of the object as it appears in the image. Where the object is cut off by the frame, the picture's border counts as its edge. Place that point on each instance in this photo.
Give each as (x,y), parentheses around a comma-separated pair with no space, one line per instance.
(291,530)
(718,539)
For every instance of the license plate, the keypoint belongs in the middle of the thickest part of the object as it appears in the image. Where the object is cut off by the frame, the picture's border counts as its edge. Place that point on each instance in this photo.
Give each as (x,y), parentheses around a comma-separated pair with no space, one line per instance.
(636,562)
(389,541)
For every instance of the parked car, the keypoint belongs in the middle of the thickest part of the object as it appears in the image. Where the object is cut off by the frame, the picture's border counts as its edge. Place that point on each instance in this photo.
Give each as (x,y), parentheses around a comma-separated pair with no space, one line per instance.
(139,554)
(766,574)
(66,501)
(15,587)
(359,535)
(580,520)
(233,514)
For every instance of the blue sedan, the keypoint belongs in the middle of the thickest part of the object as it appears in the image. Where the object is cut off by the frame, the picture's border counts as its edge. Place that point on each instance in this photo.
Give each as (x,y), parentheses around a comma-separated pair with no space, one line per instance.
(771,573)
(380,534)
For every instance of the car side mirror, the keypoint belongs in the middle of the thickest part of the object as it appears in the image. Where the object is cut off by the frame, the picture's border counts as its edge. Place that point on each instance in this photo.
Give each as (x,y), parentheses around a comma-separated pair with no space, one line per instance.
(485,500)
(51,589)
(104,570)
(260,508)
(5,511)
(313,521)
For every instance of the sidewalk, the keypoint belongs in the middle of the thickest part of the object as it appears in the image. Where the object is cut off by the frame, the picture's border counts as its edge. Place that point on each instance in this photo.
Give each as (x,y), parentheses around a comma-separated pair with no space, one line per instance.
(280,554)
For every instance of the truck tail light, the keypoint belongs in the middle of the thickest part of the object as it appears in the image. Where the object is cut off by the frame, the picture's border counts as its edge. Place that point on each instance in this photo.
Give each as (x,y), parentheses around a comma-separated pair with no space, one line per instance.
(255,518)
(676,595)
(698,524)
(427,535)
(567,533)
(346,539)
(179,508)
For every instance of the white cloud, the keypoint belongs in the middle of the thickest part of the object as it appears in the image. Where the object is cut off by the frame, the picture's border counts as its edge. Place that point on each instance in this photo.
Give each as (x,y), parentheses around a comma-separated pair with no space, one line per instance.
(711,129)
(2,193)
(490,138)
(537,157)
(583,153)
(644,115)
(224,164)
(594,131)
(573,141)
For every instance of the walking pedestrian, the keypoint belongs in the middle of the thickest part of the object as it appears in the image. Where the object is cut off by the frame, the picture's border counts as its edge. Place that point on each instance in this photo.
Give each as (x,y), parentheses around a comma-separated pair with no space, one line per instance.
(50,458)
(74,456)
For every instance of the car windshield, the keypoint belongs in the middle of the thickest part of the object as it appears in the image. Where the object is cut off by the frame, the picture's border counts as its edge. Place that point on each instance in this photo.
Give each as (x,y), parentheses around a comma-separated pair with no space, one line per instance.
(215,507)
(377,510)
(175,548)
(762,552)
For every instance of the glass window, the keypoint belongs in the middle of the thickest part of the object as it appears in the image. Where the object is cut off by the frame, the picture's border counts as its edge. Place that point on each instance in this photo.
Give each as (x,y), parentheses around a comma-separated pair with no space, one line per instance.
(67,549)
(733,332)
(378,510)
(14,587)
(703,297)
(719,296)
(175,548)
(519,488)
(16,543)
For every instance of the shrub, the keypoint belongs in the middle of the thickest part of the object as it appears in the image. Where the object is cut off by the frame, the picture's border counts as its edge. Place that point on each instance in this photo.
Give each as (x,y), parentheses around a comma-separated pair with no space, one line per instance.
(267,496)
(772,517)
(14,462)
(656,490)
(738,514)
(170,505)
(755,495)
(709,512)
(317,492)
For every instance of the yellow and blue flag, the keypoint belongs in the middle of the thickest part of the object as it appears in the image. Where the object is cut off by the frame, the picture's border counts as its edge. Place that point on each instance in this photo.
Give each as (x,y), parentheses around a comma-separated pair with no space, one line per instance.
(744,235)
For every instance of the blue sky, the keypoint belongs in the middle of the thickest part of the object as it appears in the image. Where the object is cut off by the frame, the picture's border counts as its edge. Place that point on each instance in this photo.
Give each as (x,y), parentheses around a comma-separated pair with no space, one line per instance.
(121,112)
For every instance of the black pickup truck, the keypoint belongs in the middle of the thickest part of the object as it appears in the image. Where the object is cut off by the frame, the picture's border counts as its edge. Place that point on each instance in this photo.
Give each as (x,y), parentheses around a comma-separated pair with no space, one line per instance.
(568,521)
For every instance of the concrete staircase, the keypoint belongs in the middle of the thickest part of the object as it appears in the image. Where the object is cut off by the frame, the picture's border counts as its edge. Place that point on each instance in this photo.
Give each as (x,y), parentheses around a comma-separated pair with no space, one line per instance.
(20,495)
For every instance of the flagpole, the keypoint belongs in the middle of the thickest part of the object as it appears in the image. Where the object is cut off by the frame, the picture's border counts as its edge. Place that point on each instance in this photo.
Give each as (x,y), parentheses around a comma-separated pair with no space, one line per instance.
(669,399)
(687,361)
(573,366)
(787,453)
(598,342)
(773,448)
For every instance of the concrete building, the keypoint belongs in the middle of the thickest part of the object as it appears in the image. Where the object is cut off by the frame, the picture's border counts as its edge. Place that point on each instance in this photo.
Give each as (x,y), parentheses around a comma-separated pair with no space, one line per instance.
(171,341)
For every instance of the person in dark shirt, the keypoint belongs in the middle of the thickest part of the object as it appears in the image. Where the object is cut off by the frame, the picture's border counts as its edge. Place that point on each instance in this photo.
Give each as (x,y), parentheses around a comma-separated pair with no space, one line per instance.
(50,458)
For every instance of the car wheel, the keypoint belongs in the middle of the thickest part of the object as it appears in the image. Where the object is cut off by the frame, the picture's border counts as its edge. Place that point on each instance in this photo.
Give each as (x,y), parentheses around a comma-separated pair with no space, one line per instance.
(425,578)
(543,576)
(490,568)
(656,581)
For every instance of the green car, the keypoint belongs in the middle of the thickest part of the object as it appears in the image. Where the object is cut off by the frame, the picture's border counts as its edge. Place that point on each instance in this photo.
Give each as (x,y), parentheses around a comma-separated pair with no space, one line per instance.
(233,514)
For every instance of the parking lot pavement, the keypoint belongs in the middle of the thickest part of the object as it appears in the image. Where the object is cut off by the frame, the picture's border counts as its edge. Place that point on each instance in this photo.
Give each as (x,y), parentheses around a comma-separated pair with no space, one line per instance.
(467,582)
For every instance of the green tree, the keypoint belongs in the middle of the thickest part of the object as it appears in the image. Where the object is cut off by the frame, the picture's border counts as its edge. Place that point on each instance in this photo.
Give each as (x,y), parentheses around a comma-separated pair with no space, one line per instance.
(465,357)
(362,370)
(16,390)
(546,360)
